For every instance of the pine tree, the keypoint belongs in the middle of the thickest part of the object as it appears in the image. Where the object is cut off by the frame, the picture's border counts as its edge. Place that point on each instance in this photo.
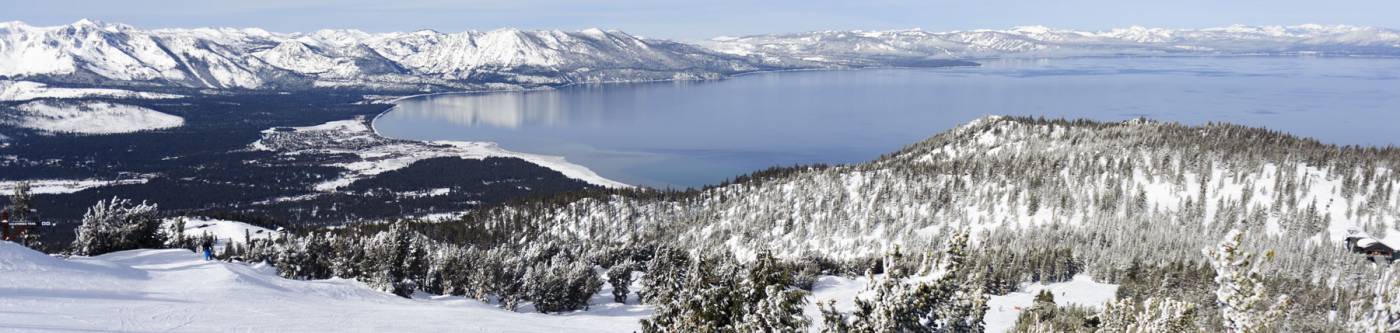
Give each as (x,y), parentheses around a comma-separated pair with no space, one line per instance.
(389,257)
(769,305)
(117,225)
(1243,299)
(833,321)
(175,235)
(666,273)
(780,310)
(20,203)
(21,211)
(620,277)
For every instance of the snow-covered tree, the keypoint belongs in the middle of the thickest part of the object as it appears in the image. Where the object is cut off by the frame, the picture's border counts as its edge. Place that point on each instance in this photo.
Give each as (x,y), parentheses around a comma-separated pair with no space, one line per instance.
(620,277)
(117,225)
(951,301)
(561,284)
(1244,300)
(780,310)
(833,321)
(770,304)
(703,302)
(175,235)
(1384,314)
(390,258)
(666,275)
(21,211)
(720,295)
(20,203)
(1151,316)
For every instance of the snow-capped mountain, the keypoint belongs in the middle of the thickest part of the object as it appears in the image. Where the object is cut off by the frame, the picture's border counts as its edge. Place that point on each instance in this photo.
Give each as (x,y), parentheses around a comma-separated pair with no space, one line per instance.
(96,53)
(873,46)
(104,53)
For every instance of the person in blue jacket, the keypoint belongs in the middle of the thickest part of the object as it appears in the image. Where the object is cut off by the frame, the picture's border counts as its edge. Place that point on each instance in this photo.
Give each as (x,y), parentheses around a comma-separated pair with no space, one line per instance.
(208,248)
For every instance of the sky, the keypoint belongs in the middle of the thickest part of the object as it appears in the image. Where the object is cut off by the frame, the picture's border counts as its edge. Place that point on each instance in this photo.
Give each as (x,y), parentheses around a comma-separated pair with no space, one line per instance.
(699,19)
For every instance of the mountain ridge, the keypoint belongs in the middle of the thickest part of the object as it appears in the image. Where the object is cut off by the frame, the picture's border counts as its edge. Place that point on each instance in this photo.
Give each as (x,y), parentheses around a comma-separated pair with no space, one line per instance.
(97,53)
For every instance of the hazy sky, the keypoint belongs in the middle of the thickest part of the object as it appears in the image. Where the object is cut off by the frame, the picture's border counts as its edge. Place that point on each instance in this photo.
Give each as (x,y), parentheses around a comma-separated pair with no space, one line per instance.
(701,18)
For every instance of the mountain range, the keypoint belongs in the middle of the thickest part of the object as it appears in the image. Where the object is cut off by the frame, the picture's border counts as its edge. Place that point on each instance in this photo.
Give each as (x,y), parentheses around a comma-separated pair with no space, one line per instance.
(874,48)
(96,53)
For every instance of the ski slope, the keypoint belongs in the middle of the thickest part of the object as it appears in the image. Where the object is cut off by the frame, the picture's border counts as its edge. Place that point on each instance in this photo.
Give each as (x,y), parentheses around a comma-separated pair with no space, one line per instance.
(175,291)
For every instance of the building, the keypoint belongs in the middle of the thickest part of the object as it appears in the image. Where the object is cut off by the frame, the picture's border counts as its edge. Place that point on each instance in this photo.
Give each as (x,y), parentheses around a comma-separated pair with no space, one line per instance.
(1372,248)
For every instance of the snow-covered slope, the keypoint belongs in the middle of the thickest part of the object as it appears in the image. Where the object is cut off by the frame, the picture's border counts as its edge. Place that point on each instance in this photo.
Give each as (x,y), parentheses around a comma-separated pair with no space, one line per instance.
(87,117)
(25,90)
(59,186)
(175,291)
(1038,41)
(223,231)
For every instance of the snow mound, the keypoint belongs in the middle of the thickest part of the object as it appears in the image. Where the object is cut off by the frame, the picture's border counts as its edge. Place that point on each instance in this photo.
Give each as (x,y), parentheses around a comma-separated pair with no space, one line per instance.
(28,273)
(17,259)
(174,290)
(89,117)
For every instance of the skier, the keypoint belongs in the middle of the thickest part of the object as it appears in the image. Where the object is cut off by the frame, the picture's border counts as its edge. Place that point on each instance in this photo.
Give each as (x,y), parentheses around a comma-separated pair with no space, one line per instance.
(208,248)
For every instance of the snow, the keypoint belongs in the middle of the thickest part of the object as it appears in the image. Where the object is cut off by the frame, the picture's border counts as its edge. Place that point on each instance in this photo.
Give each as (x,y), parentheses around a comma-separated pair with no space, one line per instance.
(89,117)
(176,291)
(223,231)
(841,289)
(1002,309)
(1392,238)
(19,91)
(61,186)
(1082,290)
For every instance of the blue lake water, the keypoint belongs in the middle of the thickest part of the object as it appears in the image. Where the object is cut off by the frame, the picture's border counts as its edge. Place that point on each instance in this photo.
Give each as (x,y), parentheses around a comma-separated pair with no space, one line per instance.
(680,134)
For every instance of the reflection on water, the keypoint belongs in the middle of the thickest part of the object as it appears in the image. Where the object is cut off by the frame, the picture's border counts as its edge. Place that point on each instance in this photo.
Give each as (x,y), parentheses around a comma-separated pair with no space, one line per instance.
(695,133)
(496,110)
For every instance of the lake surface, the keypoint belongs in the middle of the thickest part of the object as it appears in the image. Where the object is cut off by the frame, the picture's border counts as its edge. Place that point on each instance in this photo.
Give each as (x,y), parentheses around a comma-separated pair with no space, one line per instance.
(681,134)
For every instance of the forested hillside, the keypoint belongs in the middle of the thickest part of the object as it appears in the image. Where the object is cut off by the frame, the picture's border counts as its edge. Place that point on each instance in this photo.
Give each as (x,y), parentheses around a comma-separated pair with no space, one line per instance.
(1201,227)
(1002,174)
(1133,202)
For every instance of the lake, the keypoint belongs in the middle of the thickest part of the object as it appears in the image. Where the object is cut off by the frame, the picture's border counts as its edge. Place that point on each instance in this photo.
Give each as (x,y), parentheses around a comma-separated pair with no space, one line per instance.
(680,134)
